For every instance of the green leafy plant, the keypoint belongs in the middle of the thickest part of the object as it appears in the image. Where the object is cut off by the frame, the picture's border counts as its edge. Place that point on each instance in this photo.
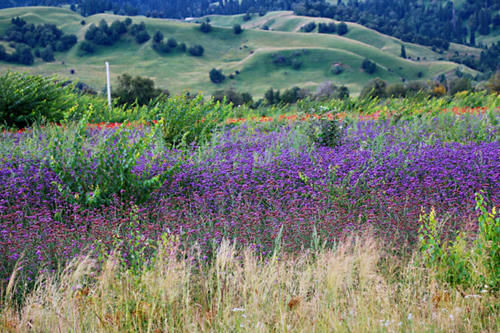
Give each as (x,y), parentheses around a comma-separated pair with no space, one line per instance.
(25,99)
(458,263)
(92,176)
(184,120)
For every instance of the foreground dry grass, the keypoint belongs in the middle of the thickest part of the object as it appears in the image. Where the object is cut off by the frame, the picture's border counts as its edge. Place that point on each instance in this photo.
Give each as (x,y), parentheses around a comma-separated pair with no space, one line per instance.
(355,288)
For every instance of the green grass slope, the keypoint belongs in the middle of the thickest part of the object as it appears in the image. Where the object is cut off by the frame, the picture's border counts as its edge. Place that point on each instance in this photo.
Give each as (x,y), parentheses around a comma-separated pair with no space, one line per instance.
(249,53)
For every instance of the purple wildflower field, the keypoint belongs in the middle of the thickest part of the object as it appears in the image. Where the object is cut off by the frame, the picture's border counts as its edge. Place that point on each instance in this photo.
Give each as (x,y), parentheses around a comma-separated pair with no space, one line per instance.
(249,184)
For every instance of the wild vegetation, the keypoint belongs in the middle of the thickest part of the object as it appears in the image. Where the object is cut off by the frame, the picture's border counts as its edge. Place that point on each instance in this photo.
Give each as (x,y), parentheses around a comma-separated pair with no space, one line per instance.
(184,192)
(309,59)
(337,179)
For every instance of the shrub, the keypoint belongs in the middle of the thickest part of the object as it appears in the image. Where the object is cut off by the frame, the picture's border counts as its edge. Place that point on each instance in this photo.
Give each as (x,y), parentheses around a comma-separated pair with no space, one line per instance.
(161,47)
(237,29)
(292,95)
(85,48)
(172,43)
(142,37)
(205,27)
(416,87)
(493,84)
(158,37)
(323,132)
(456,262)
(368,66)
(47,55)
(337,69)
(232,96)
(185,120)
(196,50)
(342,29)
(308,27)
(439,90)
(328,90)
(25,99)
(111,177)
(327,28)
(396,90)
(458,85)
(23,55)
(374,88)
(216,76)
(136,89)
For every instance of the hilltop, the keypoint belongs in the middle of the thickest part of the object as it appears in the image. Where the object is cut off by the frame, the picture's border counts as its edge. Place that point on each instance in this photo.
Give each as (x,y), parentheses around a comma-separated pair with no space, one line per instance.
(250,54)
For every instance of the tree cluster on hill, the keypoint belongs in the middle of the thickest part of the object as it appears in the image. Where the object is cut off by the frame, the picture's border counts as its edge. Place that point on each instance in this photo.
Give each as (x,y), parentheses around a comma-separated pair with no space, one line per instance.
(291,60)
(107,35)
(171,44)
(30,41)
(233,96)
(431,23)
(137,89)
(381,89)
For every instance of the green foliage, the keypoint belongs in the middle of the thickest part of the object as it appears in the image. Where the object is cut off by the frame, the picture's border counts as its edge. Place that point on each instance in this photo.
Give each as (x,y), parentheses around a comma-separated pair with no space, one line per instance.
(459,84)
(324,132)
(142,37)
(493,84)
(369,66)
(136,89)
(158,37)
(25,99)
(456,262)
(186,120)
(237,29)
(91,177)
(342,29)
(216,76)
(85,48)
(328,90)
(375,88)
(205,27)
(196,50)
(232,96)
(308,27)
(327,28)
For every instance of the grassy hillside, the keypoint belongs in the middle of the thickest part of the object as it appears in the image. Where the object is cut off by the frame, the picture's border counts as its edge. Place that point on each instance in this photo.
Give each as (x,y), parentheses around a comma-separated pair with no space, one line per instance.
(249,53)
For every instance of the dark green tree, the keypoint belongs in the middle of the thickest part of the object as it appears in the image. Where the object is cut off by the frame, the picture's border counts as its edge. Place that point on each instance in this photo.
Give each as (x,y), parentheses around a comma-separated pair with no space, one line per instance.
(374,88)
(403,51)
(237,29)
(216,76)
(342,29)
(142,37)
(131,89)
(196,50)
(205,27)
(172,43)
(368,66)
(158,37)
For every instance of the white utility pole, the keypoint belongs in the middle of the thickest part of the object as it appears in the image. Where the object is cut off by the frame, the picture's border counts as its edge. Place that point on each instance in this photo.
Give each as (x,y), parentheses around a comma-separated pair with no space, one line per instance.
(109,85)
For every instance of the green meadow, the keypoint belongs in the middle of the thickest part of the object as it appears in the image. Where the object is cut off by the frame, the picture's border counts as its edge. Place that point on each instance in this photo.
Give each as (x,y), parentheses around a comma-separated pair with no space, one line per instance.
(249,53)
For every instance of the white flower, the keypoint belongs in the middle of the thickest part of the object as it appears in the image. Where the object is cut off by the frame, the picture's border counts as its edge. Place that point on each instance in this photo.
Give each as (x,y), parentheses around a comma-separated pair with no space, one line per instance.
(410,316)
(451,316)
(238,310)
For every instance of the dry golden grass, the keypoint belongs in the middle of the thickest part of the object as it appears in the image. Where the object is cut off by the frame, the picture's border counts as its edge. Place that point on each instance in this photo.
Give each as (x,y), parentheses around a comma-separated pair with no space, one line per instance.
(357,287)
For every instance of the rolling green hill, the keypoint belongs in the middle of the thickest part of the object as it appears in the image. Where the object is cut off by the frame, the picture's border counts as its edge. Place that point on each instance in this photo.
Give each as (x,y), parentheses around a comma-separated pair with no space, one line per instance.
(251,53)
